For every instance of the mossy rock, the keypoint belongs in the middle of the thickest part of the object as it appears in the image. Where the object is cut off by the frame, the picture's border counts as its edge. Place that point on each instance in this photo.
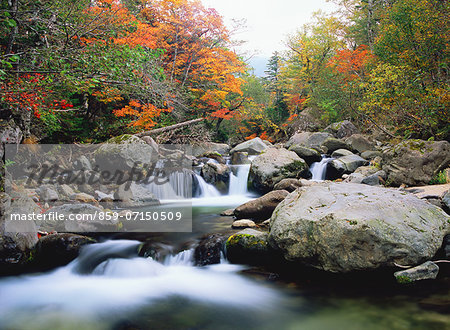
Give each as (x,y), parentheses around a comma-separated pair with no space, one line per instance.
(248,246)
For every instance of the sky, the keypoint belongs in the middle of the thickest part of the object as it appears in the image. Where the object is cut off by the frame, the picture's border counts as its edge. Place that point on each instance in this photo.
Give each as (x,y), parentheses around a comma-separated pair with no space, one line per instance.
(268,22)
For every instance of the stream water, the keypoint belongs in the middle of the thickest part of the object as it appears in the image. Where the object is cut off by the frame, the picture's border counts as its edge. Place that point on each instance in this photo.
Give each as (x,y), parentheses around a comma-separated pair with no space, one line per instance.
(109,287)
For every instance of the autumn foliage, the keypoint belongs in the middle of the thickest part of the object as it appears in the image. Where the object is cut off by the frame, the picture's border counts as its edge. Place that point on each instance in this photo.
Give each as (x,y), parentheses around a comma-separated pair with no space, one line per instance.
(137,61)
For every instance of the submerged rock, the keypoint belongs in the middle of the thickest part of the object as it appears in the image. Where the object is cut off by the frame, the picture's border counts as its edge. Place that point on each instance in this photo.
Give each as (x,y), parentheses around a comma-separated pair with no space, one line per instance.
(260,208)
(427,271)
(58,250)
(346,227)
(227,213)
(209,250)
(274,165)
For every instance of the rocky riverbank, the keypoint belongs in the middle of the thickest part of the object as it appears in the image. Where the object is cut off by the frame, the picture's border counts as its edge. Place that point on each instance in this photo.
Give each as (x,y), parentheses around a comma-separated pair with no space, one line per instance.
(363,217)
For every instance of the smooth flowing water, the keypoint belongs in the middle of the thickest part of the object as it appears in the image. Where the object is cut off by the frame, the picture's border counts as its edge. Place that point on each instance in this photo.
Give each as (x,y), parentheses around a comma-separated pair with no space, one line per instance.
(109,287)
(319,169)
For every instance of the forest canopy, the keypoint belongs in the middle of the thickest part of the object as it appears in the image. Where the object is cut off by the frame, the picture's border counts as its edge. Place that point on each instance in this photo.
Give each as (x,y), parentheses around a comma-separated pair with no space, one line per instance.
(83,70)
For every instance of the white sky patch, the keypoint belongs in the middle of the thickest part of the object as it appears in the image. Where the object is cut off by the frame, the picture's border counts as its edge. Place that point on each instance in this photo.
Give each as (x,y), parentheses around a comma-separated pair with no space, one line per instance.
(268,22)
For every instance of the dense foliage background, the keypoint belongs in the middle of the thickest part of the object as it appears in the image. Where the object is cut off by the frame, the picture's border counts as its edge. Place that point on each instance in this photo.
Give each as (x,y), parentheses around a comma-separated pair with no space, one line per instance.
(83,70)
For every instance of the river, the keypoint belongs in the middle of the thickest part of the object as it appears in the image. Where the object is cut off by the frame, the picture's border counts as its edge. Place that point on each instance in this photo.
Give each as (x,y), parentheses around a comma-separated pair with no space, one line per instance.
(110,287)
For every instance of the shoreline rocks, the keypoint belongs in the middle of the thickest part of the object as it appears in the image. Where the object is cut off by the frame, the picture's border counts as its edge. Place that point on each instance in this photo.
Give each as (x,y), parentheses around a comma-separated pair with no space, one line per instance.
(261,208)
(346,227)
(274,165)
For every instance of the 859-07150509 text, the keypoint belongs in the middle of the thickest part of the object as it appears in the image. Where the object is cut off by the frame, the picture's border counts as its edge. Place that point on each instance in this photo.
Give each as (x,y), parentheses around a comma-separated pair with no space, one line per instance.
(107,216)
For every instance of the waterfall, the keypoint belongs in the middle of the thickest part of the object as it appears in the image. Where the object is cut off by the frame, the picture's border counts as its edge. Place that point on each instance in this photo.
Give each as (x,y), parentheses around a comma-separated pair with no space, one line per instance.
(319,169)
(238,181)
(187,184)
(239,178)
(205,189)
(184,258)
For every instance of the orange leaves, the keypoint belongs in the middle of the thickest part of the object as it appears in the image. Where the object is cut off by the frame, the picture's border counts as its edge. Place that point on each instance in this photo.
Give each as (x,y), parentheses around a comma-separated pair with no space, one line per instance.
(144,114)
(195,41)
(351,63)
(292,117)
(143,36)
(108,95)
(223,113)
(251,136)
(262,136)
(112,15)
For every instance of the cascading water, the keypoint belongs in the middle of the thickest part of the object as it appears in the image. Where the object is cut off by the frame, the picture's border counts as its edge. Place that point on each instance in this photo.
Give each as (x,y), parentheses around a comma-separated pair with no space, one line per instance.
(319,169)
(205,189)
(108,280)
(238,180)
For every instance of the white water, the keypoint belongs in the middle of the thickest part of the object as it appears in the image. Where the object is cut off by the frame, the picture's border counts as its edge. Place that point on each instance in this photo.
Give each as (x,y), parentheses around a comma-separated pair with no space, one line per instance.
(115,281)
(319,169)
(206,189)
(238,181)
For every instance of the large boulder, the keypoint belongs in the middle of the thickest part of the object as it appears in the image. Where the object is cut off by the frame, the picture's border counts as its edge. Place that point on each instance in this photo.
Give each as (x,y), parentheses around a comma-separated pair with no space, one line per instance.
(288,184)
(344,165)
(252,147)
(341,152)
(260,208)
(343,227)
(307,120)
(332,144)
(131,194)
(209,147)
(415,162)
(316,140)
(274,165)
(342,129)
(308,140)
(248,246)
(359,143)
(298,139)
(216,174)
(125,152)
(309,155)
(17,237)
(10,133)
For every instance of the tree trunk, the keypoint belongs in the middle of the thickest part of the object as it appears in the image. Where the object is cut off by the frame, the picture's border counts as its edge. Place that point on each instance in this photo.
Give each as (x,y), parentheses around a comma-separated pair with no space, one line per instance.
(170,128)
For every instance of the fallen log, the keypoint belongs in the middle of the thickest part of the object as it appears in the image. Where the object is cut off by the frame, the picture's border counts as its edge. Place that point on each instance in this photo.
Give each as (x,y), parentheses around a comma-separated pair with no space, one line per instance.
(169,128)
